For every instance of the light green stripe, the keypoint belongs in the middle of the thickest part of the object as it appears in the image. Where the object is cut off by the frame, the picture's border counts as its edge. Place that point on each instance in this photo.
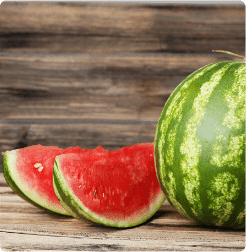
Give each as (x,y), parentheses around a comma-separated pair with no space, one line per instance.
(228,149)
(191,147)
(241,217)
(234,151)
(170,147)
(233,120)
(174,112)
(69,201)
(171,185)
(235,98)
(224,189)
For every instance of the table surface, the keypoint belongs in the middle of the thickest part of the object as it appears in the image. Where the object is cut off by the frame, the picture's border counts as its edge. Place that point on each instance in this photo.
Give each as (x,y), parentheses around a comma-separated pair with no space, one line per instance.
(25,227)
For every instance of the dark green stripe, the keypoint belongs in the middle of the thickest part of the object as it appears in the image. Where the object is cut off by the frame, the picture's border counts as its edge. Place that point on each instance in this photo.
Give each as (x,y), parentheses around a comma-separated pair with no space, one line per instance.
(217,113)
(17,190)
(191,95)
(65,195)
(197,189)
(12,184)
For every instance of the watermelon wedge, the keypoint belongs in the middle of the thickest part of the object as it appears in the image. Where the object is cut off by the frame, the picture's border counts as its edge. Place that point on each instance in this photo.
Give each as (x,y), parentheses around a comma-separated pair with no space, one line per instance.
(114,188)
(29,172)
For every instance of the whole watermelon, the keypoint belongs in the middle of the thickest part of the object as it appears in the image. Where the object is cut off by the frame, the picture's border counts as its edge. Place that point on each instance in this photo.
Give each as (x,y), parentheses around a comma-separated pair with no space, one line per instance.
(200,145)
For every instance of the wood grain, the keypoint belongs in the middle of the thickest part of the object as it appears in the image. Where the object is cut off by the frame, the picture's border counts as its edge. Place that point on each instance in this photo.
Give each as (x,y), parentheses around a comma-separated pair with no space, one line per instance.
(85,27)
(25,227)
(110,136)
(88,74)
(85,100)
(83,86)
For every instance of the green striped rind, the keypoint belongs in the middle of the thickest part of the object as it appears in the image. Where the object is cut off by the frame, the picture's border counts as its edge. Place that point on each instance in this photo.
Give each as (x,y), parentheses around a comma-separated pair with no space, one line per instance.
(199,145)
(74,205)
(12,178)
(7,175)
(65,196)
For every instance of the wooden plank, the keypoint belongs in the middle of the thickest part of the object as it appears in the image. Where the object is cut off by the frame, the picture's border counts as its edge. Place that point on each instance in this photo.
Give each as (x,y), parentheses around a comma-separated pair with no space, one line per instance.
(25,227)
(11,138)
(112,136)
(84,86)
(183,242)
(152,239)
(85,135)
(121,27)
(83,100)
(4,185)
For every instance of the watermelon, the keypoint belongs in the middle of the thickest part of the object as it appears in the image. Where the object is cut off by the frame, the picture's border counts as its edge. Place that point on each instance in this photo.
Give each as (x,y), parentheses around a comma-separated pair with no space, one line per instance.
(200,145)
(29,172)
(114,188)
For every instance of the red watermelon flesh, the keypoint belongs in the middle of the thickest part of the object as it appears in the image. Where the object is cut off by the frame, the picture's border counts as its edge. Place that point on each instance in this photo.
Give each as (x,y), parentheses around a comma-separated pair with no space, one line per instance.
(29,172)
(115,188)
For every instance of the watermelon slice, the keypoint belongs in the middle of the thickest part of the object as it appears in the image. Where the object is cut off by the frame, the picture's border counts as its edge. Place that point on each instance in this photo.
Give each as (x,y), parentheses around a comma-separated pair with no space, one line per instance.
(29,172)
(114,188)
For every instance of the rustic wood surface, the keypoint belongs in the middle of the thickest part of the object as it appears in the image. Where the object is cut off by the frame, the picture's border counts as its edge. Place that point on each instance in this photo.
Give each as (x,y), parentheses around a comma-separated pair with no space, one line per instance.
(25,227)
(121,27)
(87,100)
(79,86)
(88,74)
(90,98)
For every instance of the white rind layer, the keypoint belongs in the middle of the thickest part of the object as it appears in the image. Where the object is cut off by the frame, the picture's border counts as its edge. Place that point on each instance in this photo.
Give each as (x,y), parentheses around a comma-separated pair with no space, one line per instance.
(21,188)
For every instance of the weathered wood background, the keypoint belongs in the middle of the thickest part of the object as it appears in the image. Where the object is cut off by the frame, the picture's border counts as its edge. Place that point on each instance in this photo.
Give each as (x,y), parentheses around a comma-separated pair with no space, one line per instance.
(93,74)
(88,74)
(121,27)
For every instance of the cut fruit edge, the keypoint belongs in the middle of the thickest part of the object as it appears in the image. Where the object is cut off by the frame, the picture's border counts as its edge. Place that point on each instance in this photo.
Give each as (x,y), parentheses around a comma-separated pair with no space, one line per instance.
(74,206)
(19,187)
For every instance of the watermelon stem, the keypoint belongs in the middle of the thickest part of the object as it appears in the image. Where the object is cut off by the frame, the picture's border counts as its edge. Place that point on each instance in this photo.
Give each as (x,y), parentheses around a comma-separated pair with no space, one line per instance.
(222,51)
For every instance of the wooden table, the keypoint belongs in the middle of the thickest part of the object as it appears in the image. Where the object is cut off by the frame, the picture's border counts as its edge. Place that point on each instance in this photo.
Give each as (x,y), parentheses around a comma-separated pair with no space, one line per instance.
(25,227)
